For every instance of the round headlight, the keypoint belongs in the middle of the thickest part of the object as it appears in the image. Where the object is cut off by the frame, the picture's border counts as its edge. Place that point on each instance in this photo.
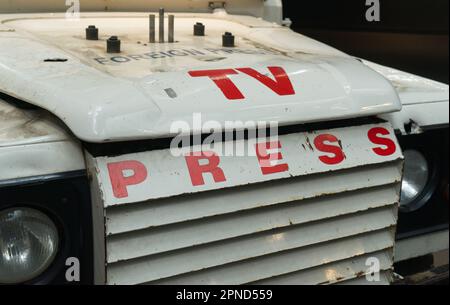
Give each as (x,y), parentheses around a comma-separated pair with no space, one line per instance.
(28,244)
(415,180)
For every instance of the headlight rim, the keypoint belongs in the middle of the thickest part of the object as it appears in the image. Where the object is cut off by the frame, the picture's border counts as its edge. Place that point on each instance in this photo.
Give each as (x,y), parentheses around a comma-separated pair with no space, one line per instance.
(432,183)
(62,241)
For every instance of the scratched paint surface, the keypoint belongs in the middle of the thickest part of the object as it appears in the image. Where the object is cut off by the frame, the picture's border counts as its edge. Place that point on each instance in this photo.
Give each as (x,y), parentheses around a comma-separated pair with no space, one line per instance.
(300,156)
(140,92)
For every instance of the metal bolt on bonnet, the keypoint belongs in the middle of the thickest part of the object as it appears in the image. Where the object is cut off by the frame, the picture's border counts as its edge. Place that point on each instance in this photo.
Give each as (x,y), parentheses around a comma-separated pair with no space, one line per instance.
(228,40)
(91,33)
(113,45)
(199,29)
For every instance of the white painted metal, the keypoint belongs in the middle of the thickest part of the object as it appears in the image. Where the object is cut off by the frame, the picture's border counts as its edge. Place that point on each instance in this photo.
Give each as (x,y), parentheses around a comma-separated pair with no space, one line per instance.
(234,250)
(98,224)
(426,102)
(385,279)
(216,229)
(33,143)
(421,245)
(40,159)
(129,101)
(411,88)
(244,7)
(178,209)
(273,11)
(25,127)
(289,261)
(289,226)
(424,115)
(331,273)
(315,228)
(303,159)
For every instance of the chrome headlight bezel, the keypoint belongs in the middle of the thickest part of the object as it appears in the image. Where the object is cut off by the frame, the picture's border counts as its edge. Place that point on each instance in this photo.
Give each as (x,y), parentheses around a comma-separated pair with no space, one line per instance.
(27,228)
(428,188)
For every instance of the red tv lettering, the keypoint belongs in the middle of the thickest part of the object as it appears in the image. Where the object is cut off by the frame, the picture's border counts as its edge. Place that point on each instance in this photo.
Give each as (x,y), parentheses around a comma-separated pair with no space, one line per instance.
(336,150)
(220,78)
(196,170)
(281,85)
(119,182)
(389,145)
(267,159)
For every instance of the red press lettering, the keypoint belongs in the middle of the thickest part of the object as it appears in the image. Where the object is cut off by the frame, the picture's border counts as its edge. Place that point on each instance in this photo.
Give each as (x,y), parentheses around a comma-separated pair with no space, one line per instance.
(281,85)
(321,144)
(196,170)
(267,160)
(389,145)
(220,78)
(120,181)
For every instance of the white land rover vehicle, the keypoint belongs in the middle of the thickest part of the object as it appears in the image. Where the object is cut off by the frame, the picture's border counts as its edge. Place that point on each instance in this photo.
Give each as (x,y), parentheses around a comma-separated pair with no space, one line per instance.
(88,179)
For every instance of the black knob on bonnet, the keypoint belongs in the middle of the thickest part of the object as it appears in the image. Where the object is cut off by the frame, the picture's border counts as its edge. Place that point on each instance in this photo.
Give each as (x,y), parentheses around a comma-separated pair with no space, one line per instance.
(228,40)
(113,45)
(91,33)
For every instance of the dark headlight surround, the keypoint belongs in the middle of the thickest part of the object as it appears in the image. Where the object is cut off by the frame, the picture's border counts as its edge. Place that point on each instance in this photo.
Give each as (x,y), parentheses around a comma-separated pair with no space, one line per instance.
(432,184)
(64,198)
(433,143)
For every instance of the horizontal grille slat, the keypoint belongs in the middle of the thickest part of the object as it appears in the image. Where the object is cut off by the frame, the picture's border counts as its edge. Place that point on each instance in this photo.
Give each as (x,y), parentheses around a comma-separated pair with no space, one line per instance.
(331,273)
(287,262)
(385,279)
(158,240)
(196,206)
(212,255)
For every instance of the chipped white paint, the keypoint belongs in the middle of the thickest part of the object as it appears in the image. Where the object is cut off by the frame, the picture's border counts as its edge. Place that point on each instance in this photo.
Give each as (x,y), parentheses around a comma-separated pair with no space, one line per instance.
(333,273)
(102,100)
(298,224)
(426,102)
(298,153)
(194,207)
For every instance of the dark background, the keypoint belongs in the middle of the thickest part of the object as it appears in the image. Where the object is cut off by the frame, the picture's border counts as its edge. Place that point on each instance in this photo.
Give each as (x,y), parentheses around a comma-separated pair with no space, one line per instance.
(411,36)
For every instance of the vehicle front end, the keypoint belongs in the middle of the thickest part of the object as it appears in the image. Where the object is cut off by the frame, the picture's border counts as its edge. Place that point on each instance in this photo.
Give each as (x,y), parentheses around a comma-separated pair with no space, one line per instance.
(232,151)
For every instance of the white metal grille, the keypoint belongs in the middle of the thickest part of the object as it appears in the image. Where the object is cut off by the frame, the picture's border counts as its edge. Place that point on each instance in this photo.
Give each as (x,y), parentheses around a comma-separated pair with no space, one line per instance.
(312,223)
(303,230)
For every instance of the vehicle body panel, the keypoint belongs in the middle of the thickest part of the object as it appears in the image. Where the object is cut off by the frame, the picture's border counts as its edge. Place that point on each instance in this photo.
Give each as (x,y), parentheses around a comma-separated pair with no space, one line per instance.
(103,101)
(34,144)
